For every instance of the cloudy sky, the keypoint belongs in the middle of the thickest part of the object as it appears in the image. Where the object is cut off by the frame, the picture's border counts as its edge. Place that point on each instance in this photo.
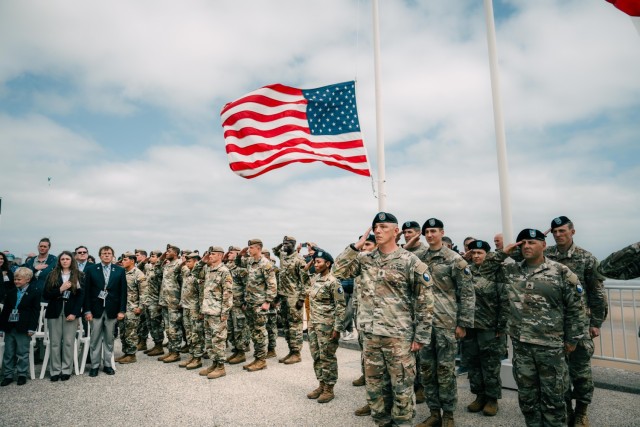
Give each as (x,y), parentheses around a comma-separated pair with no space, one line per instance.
(118,103)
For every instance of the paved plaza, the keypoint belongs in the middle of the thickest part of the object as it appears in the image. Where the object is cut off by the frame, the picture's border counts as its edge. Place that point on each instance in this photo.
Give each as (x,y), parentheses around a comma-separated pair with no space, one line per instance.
(151,393)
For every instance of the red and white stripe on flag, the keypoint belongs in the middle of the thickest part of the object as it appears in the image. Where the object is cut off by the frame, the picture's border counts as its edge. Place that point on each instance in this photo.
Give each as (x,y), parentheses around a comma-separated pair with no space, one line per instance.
(277,125)
(630,7)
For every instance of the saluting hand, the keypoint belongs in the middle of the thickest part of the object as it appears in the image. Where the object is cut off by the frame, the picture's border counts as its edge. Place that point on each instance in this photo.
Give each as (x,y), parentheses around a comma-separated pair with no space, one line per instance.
(360,243)
(511,248)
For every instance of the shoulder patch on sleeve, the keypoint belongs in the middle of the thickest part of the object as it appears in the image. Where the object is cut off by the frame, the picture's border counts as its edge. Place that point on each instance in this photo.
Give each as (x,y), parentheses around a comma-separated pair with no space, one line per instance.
(461,263)
(422,270)
(340,290)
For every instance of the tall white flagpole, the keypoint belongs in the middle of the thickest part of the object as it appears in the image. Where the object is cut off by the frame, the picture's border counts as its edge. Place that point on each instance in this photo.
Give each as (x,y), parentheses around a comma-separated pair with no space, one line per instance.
(501,145)
(382,194)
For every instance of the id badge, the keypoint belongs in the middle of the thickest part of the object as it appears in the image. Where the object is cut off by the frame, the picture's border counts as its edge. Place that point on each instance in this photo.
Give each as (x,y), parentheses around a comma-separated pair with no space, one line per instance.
(102,295)
(66,294)
(14,316)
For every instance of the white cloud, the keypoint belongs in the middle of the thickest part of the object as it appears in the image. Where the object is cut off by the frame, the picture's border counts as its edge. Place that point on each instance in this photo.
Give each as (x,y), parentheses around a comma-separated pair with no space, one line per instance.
(569,75)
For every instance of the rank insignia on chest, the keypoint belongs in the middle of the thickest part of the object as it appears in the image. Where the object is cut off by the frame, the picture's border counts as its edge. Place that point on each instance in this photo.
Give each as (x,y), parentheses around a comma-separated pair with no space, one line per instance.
(529,285)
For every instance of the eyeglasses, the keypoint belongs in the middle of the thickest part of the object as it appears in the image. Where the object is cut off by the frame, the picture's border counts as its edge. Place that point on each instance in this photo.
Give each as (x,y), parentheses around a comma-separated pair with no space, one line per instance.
(81,252)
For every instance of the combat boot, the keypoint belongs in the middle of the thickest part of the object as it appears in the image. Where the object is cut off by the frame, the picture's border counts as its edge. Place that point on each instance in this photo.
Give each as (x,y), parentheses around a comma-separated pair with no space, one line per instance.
(420,394)
(570,414)
(295,358)
(238,358)
(478,404)
(196,363)
(118,359)
(282,360)
(184,363)
(233,354)
(491,407)
(248,365)
(259,365)
(364,411)
(327,394)
(581,419)
(206,371)
(217,372)
(434,420)
(447,419)
(317,392)
(142,346)
(359,382)
(157,350)
(171,357)
(271,353)
(164,356)
(128,358)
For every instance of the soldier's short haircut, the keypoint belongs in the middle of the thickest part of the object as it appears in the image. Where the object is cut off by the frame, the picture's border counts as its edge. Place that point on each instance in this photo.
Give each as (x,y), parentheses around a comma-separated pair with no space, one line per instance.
(175,249)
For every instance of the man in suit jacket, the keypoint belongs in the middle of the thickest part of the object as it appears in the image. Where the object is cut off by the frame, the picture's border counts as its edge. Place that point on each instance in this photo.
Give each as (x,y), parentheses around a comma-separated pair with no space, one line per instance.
(105,302)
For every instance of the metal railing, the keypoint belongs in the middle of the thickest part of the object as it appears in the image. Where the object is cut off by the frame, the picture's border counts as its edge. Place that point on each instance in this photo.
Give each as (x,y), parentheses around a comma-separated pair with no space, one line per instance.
(619,341)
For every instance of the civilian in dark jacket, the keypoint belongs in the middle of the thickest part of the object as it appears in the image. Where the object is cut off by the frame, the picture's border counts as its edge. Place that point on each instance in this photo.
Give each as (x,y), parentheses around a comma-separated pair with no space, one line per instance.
(18,322)
(6,276)
(65,294)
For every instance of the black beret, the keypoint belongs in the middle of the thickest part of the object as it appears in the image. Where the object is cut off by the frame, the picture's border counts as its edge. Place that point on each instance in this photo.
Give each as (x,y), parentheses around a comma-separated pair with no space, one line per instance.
(384,217)
(530,234)
(432,223)
(371,238)
(559,222)
(324,255)
(480,244)
(410,224)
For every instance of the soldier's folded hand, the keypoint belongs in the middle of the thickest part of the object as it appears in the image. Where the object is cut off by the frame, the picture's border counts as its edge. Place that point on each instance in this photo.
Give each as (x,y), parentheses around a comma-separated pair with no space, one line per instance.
(335,336)
(299,304)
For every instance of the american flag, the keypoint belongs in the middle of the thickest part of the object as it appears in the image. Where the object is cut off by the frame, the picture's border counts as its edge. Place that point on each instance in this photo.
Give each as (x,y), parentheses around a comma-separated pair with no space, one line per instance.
(277,125)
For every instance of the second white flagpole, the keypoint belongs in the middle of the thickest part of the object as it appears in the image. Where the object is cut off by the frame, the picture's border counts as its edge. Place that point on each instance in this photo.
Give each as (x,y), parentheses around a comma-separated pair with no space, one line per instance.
(382,193)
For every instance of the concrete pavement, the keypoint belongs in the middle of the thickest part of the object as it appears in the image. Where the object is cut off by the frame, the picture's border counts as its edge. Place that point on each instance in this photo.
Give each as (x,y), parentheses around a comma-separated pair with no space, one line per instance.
(153,393)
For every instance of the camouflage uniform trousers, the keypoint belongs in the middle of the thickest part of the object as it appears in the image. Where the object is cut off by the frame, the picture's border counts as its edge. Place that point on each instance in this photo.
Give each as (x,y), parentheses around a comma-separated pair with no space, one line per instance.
(195,328)
(361,343)
(238,332)
(152,324)
(129,333)
(173,327)
(256,323)
(291,323)
(323,353)
(579,373)
(272,328)
(438,366)
(539,372)
(390,369)
(218,332)
(482,354)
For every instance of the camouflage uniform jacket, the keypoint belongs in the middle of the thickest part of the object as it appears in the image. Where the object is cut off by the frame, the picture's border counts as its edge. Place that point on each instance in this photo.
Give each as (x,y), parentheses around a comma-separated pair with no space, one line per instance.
(453,291)
(293,281)
(261,280)
(396,292)
(544,303)
(151,292)
(136,283)
(326,302)
(239,276)
(623,264)
(583,264)
(419,251)
(170,285)
(191,292)
(217,295)
(492,303)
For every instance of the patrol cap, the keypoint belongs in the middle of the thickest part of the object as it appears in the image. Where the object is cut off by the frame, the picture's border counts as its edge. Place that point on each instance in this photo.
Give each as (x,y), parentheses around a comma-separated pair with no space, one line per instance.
(410,224)
(432,223)
(530,234)
(129,255)
(140,250)
(234,248)
(289,239)
(480,244)
(254,242)
(559,222)
(265,252)
(156,252)
(193,255)
(384,217)
(324,255)
(186,252)
(216,249)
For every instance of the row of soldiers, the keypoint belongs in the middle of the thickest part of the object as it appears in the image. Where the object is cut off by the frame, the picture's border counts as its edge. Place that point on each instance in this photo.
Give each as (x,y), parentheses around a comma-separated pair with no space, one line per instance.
(426,297)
